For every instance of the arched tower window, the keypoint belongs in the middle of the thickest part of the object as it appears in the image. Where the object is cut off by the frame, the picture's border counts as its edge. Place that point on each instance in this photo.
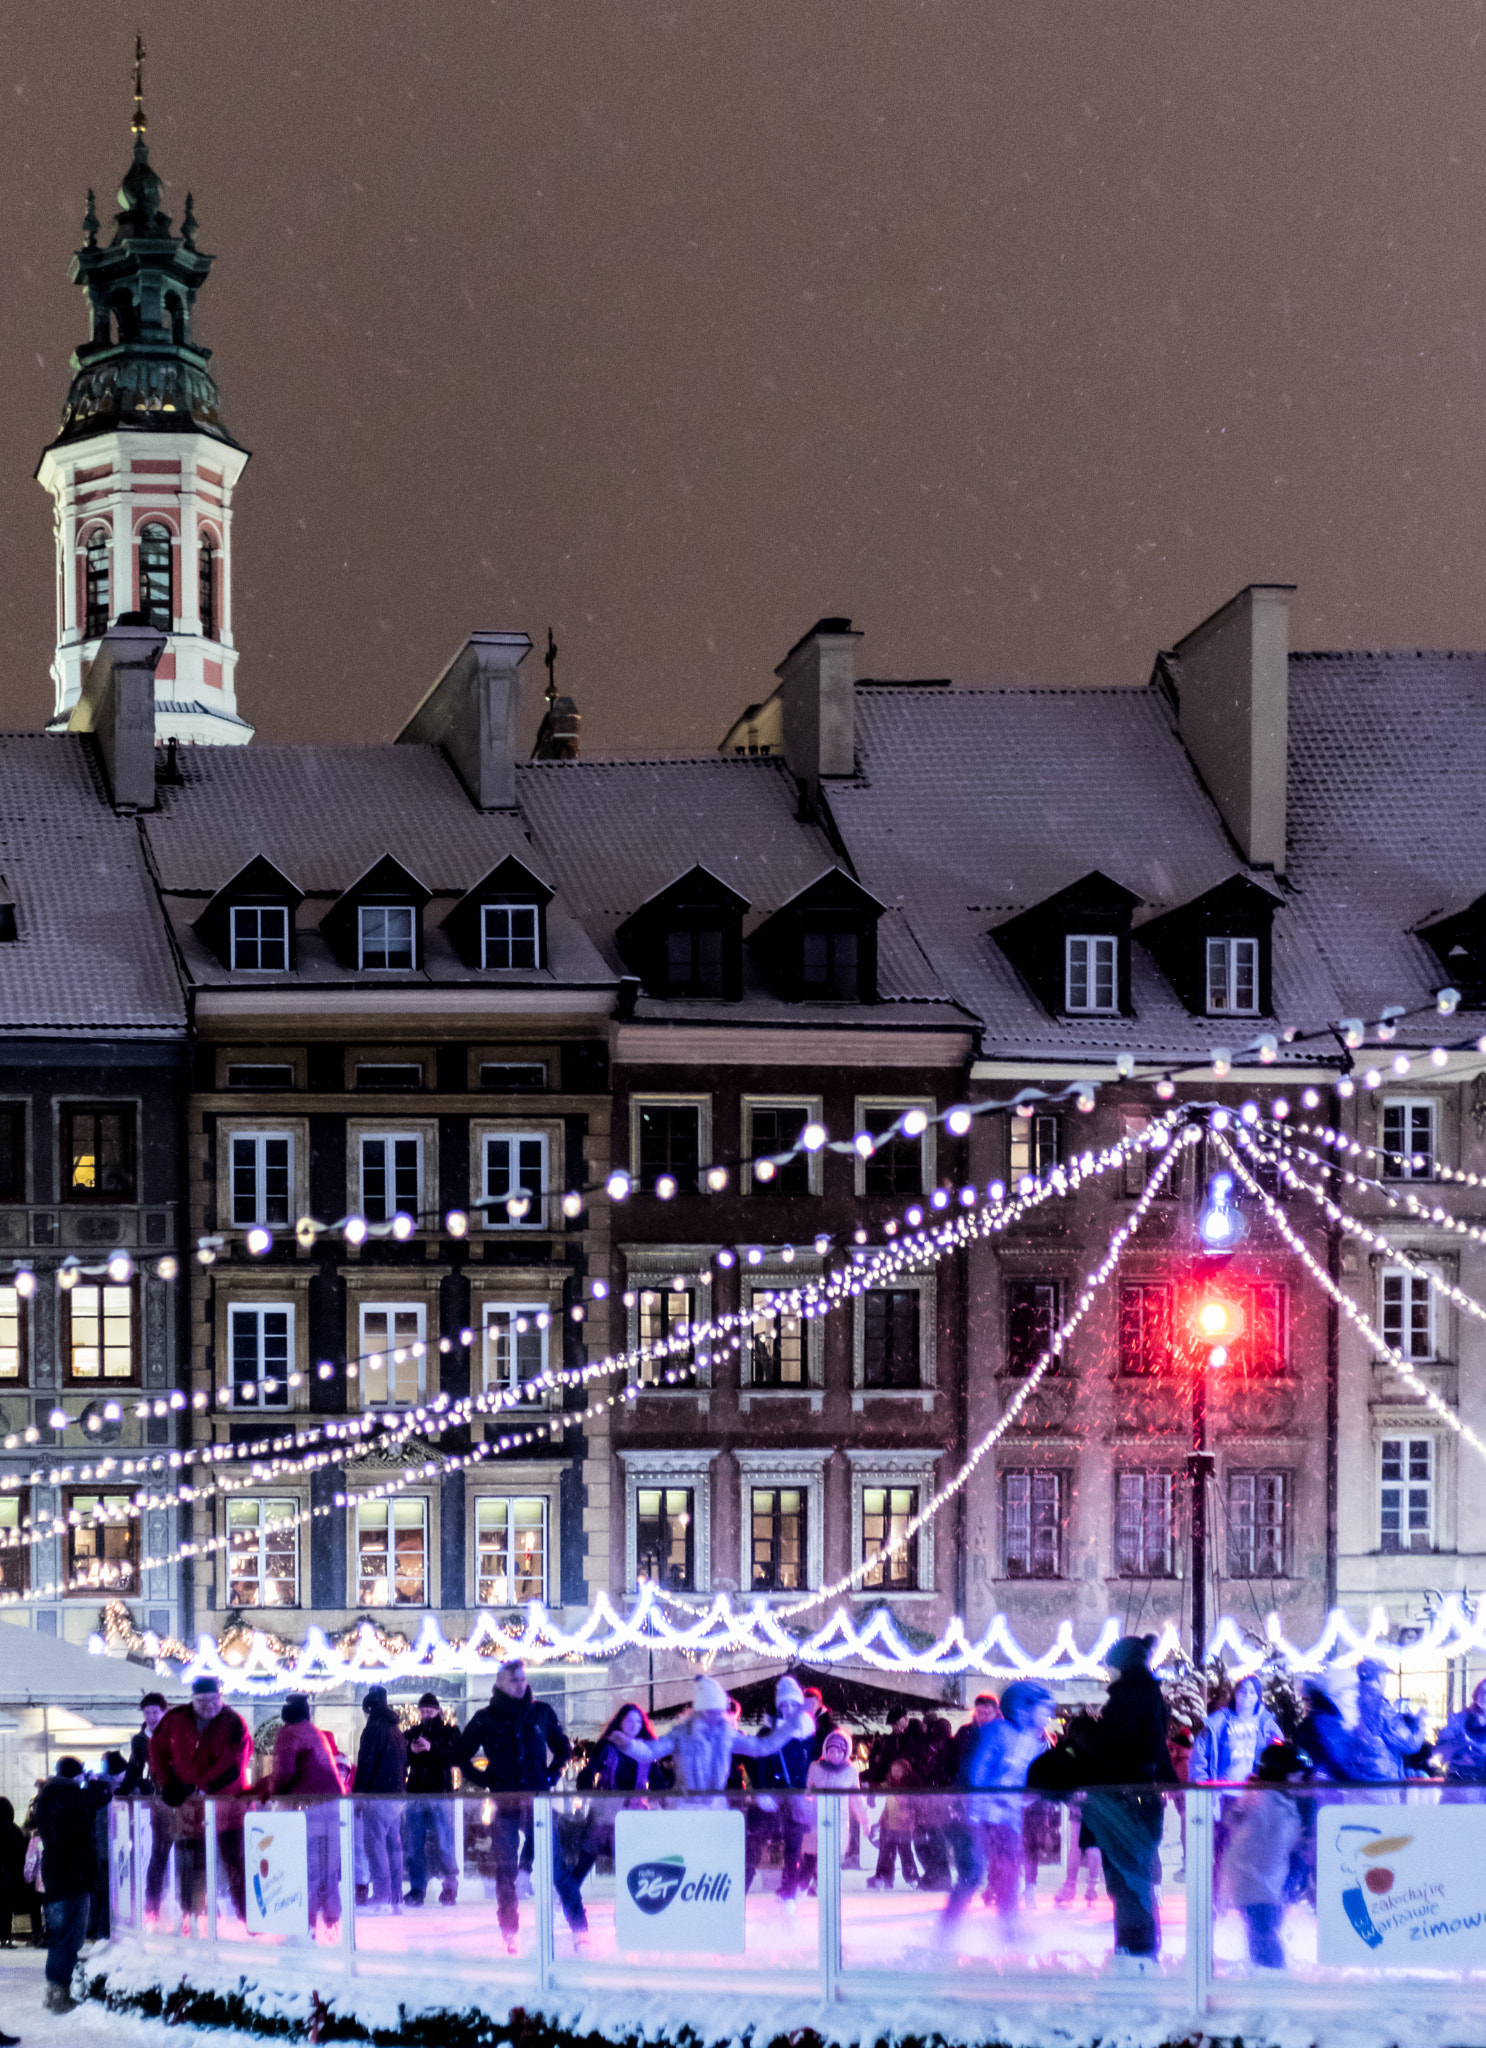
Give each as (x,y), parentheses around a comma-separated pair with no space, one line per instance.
(97,584)
(156,583)
(207,588)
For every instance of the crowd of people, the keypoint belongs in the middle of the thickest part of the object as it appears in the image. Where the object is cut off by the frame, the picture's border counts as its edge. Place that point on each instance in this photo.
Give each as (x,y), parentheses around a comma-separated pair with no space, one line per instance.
(1010,1774)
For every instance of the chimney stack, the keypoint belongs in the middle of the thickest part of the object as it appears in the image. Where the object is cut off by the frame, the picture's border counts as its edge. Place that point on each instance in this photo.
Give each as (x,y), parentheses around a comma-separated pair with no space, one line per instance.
(1232,678)
(817,689)
(471,712)
(117,704)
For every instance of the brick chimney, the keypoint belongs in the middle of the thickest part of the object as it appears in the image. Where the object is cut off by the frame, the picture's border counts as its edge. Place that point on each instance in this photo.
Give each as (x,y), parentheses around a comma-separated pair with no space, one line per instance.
(117,705)
(471,712)
(817,689)
(1231,677)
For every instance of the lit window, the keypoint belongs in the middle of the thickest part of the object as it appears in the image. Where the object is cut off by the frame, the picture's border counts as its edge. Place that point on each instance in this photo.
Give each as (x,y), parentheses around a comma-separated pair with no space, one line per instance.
(100,1332)
(12,1337)
(886,1513)
(261,1163)
(666,1316)
(1143,1525)
(1145,1330)
(15,1548)
(693,962)
(1407,1493)
(1233,977)
(664,1525)
(1408,1312)
(262,1553)
(97,585)
(157,577)
(260,937)
(828,965)
(1031,1318)
(1408,1139)
(393,1355)
(102,1543)
(386,934)
(511,935)
(511,1551)
(98,1153)
(670,1143)
(390,1177)
(515,1169)
(261,1340)
(778,1347)
(1031,1511)
(1034,1146)
(890,1337)
(1256,1525)
(778,1523)
(515,1347)
(391,1553)
(1092,975)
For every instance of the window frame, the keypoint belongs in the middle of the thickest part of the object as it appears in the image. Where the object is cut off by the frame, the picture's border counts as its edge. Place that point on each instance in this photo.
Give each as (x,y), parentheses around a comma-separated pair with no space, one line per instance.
(258,1137)
(653,1099)
(370,1305)
(1063,1503)
(1166,1509)
(366,966)
(893,1468)
(671,1470)
(96,619)
(507,909)
(651,1268)
(1230,1007)
(1397,1164)
(358,1504)
(263,1501)
(810,1110)
(1015,1285)
(73,1381)
(926,1286)
(151,530)
(21,1378)
(1094,941)
(260,911)
(1408,1441)
(494,1309)
(1408,1280)
(246,1307)
(779,1514)
(18,1582)
(359,1136)
(14,1114)
(510,1501)
(774,1470)
(866,1106)
(97,1198)
(538,1216)
(1244,1564)
(131,1524)
(1167,1365)
(208,584)
(1026,1134)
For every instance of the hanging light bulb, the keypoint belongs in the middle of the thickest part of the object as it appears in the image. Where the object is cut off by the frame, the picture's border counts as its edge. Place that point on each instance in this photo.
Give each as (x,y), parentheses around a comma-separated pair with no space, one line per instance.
(1220,1225)
(259,1240)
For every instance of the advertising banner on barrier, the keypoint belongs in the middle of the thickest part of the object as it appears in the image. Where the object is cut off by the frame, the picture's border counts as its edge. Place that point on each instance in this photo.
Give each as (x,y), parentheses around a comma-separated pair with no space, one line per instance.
(275,1852)
(678,1882)
(1400,1885)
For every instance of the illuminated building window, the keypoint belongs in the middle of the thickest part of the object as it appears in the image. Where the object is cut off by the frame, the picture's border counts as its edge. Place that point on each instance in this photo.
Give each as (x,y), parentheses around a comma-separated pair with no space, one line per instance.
(262,1553)
(392,1553)
(511,1550)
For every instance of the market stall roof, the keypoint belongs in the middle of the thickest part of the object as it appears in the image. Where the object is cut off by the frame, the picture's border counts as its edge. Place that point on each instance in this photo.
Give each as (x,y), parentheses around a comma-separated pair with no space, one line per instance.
(37,1670)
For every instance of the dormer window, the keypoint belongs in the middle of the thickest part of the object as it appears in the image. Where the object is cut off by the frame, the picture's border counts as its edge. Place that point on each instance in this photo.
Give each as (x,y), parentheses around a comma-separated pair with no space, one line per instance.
(693,961)
(386,937)
(1233,977)
(260,937)
(1092,978)
(687,940)
(828,965)
(821,946)
(510,935)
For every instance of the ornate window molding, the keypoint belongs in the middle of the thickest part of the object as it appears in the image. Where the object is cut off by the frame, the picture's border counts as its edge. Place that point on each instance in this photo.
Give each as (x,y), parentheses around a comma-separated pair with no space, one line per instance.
(927,1288)
(671,1468)
(804,1469)
(894,1468)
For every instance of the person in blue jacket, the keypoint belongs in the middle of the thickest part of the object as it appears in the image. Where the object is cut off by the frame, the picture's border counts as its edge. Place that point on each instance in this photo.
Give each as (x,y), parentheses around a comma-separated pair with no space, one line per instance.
(986,1836)
(1234,1738)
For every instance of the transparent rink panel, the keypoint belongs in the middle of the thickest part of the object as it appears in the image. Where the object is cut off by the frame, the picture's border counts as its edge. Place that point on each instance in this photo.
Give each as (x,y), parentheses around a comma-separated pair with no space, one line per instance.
(1329,1886)
(1011,1883)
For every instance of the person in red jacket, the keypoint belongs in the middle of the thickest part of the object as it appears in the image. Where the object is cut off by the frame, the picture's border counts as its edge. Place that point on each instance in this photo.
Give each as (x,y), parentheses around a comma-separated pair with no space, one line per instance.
(200,1751)
(305,1774)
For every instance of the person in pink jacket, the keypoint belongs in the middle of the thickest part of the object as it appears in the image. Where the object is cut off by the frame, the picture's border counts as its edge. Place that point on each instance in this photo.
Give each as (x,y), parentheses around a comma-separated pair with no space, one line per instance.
(304,1775)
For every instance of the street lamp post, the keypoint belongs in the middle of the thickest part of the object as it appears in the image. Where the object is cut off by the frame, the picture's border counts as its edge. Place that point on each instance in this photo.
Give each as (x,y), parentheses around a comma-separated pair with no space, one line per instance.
(1199,1471)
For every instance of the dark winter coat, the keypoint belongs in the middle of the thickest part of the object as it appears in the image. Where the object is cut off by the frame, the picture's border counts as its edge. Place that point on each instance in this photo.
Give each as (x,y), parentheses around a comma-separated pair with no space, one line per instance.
(610,1770)
(1127,1744)
(514,1737)
(137,1778)
(65,1809)
(12,1857)
(432,1770)
(1323,1739)
(382,1759)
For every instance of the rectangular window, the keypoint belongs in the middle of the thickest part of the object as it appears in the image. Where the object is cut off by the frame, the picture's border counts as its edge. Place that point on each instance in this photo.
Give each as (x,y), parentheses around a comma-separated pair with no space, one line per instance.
(1408,1139)
(12,1152)
(896,1164)
(380,1078)
(1034,1147)
(1031,1318)
(1145,1330)
(670,1143)
(774,1128)
(778,1347)
(1143,1525)
(262,1553)
(393,1355)
(386,935)
(392,1553)
(886,1513)
(664,1536)
(515,1181)
(260,937)
(261,1169)
(391,1176)
(890,1334)
(1142,1163)
(1233,977)
(12,1338)
(666,1316)
(828,966)
(515,1347)
(1256,1525)
(260,1076)
(1407,1493)
(511,1550)
(1262,1351)
(100,1332)
(262,1341)
(510,935)
(1408,1312)
(98,1152)
(778,1516)
(1031,1511)
(509,1076)
(15,1551)
(1092,981)
(102,1544)
(694,962)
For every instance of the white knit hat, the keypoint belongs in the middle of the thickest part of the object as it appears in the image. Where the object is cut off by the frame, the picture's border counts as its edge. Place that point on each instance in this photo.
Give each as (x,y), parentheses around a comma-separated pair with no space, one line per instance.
(709,1697)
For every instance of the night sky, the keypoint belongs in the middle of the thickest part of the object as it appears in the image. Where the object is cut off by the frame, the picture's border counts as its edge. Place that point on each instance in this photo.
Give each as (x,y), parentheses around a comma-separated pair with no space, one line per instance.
(1022,333)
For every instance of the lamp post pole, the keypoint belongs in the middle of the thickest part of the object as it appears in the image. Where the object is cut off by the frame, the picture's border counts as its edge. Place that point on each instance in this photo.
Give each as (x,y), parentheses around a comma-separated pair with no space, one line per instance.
(1199,1470)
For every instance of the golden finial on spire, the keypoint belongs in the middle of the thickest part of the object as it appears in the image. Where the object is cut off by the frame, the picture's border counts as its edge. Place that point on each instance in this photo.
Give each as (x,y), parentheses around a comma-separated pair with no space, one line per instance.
(138,124)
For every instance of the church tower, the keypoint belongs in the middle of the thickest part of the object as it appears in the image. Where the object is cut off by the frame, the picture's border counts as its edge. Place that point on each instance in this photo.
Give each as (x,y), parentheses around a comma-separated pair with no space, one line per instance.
(143,470)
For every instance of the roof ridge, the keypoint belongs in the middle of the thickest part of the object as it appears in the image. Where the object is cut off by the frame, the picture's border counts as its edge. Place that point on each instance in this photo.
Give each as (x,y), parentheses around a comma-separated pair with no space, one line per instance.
(1388,654)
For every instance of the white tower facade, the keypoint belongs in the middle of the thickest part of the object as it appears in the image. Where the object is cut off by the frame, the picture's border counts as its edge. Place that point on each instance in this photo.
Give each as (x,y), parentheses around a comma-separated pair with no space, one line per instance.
(143,471)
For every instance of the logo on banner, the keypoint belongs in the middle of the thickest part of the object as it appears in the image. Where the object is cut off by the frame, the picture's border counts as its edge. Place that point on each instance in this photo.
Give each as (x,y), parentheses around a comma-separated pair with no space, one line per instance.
(1401,1885)
(653,1886)
(679,1881)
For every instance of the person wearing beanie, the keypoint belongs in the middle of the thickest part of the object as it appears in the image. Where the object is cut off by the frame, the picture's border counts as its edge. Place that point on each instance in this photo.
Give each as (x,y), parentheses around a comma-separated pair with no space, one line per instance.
(64,1813)
(202,1751)
(1126,1747)
(381,1775)
(832,1771)
(304,1775)
(704,1742)
(428,1817)
(986,1839)
(525,1751)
